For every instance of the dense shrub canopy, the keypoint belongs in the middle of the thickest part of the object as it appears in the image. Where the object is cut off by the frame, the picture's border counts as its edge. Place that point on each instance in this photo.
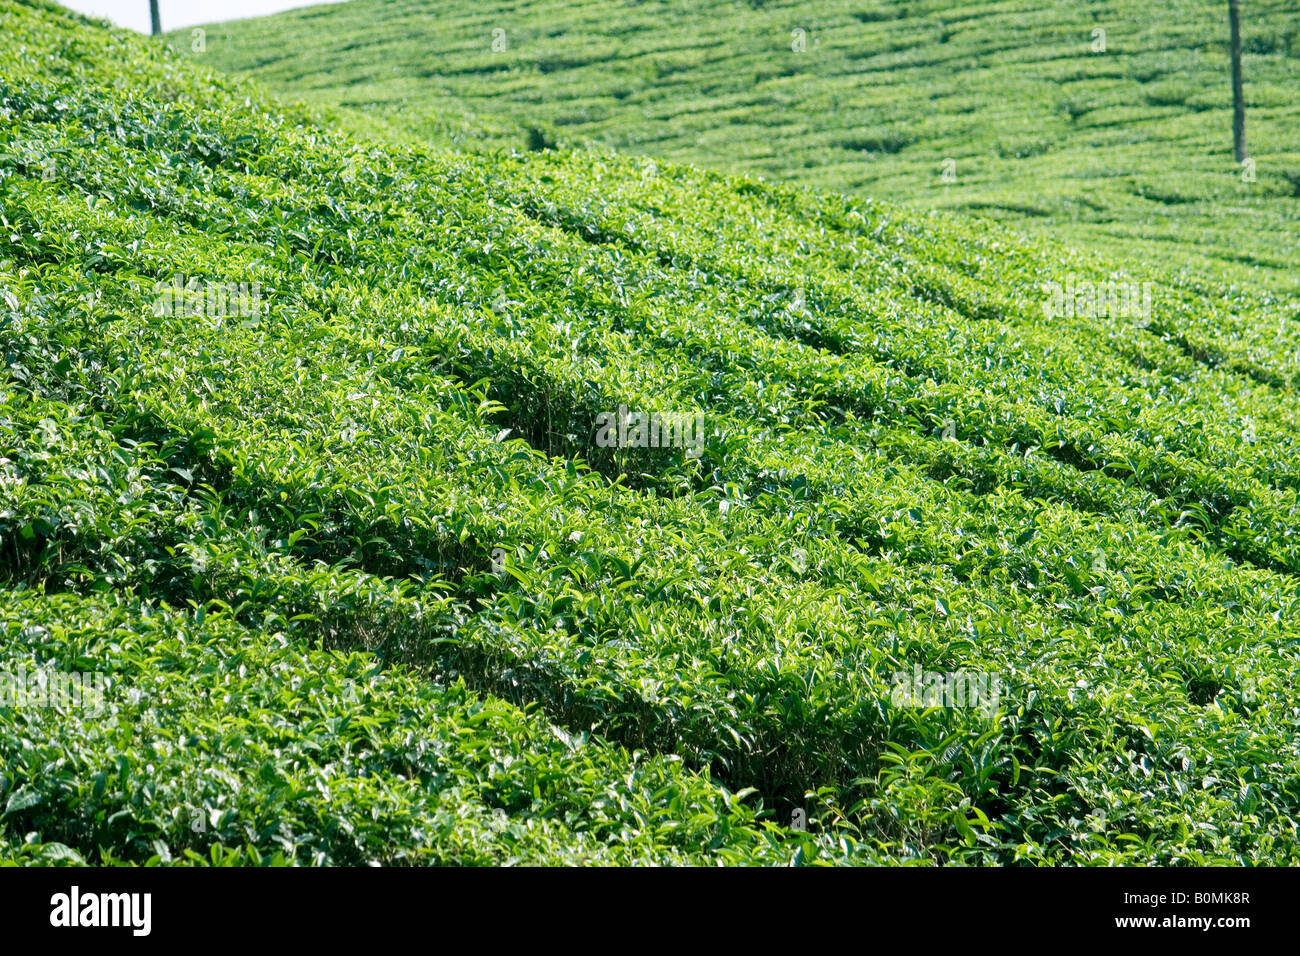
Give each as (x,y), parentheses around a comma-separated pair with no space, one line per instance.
(364,587)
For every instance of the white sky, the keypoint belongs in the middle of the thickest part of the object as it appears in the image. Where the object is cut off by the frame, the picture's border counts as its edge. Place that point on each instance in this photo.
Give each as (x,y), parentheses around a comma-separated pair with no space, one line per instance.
(134,14)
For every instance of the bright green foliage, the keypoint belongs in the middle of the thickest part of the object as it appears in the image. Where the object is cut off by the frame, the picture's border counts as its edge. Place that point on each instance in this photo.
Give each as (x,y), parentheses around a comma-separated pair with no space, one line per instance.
(1123,136)
(366,589)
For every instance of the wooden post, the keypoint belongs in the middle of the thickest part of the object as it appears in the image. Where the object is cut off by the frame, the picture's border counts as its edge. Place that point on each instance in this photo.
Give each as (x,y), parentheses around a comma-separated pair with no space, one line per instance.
(1238,102)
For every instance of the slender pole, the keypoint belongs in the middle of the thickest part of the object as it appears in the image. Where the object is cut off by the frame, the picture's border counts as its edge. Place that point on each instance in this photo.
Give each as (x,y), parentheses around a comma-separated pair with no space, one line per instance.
(1238,102)
(157,21)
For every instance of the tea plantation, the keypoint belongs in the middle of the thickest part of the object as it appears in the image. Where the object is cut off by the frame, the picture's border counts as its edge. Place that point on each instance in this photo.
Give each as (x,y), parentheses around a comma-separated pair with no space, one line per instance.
(1103,122)
(364,588)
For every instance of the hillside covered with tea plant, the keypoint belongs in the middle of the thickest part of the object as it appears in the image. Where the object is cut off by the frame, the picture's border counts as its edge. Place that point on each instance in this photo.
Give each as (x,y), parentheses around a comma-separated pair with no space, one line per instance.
(364,587)
(1101,122)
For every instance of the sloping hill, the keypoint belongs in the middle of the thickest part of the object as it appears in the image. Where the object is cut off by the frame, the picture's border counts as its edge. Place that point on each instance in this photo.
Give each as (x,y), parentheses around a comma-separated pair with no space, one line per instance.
(1131,146)
(300,449)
